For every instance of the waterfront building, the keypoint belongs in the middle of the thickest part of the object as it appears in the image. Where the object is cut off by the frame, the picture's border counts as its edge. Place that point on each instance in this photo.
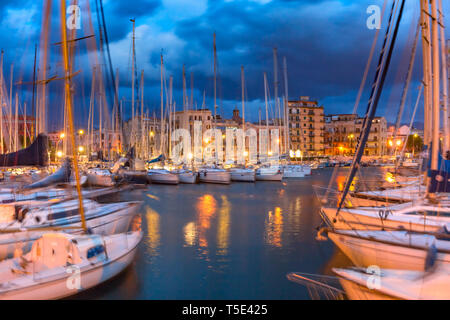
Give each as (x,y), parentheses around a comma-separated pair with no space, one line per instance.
(343,130)
(306,127)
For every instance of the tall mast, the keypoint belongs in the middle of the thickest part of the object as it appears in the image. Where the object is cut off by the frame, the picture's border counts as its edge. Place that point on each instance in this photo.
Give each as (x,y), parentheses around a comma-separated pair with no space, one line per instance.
(91,112)
(2,98)
(446,111)
(25,124)
(10,107)
(191,103)
(16,124)
(170,115)
(215,78)
(424,12)
(142,114)
(286,107)
(161,144)
(275,83)
(184,89)
(69,110)
(436,81)
(267,107)
(33,104)
(132,85)
(243,105)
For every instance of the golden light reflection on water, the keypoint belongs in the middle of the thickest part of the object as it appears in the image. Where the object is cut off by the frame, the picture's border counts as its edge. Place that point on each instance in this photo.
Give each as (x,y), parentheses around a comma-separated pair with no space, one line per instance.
(190,233)
(153,234)
(341,179)
(223,227)
(274,227)
(206,208)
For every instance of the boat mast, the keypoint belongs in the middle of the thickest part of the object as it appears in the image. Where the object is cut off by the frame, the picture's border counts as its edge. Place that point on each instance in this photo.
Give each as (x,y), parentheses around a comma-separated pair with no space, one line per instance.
(275,84)
(184,89)
(2,98)
(243,108)
(33,104)
(267,108)
(25,124)
(191,103)
(16,124)
(142,115)
(69,110)
(215,78)
(446,111)
(170,115)
(286,107)
(426,53)
(436,82)
(10,107)
(161,144)
(132,85)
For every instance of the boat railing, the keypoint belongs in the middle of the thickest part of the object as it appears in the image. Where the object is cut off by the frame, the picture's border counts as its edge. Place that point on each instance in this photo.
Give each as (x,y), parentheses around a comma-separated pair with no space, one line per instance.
(320,287)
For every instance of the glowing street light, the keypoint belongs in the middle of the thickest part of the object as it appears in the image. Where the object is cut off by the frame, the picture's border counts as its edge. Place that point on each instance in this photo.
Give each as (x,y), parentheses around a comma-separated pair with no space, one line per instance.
(190,156)
(298,153)
(59,154)
(398,143)
(62,135)
(80,149)
(81,132)
(291,153)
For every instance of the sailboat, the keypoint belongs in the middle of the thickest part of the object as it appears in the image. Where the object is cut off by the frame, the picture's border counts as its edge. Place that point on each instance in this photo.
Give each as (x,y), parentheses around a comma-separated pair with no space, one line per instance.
(60,265)
(395,284)
(24,222)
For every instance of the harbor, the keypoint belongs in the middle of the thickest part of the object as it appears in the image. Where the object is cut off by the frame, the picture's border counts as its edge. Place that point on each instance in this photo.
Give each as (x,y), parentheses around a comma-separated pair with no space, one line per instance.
(140,162)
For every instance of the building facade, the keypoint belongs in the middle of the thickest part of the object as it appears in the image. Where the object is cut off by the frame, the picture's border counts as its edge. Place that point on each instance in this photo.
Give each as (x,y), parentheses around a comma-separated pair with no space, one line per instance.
(306,126)
(343,130)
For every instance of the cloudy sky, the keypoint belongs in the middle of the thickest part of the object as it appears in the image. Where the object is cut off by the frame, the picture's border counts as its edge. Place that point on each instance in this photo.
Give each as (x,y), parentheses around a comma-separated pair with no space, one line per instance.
(326,44)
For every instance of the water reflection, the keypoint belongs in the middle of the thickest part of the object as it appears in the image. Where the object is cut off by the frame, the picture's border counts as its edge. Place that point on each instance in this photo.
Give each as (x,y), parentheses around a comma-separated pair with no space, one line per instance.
(190,234)
(223,227)
(153,235)
(342,179)
(274,227)
(206,208)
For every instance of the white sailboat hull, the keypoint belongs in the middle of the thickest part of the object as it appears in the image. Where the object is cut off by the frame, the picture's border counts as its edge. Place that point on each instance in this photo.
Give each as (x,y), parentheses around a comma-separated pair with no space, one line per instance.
(371,250)
(113,223)
(100,180)
(243,175)
(59,285)
(370,220)
(187,177)
(219,177)
(164,178)
(269,177)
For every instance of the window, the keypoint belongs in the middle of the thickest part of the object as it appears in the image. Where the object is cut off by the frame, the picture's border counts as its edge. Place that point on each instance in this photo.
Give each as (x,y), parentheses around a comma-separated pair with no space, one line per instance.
(95,251)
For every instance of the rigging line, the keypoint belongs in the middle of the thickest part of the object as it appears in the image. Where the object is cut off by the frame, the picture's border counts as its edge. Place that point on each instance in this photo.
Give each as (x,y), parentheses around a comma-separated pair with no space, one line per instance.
(407,81)
(111,70)
(369,62)
(373,106)
(410,125)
